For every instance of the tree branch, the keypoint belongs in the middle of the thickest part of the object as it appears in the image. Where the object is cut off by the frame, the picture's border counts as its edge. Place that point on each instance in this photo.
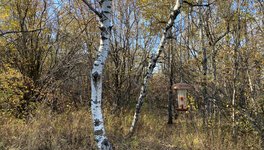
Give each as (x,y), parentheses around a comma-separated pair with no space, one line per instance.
(13,32)
(223,35)
(92,9)
(197,5)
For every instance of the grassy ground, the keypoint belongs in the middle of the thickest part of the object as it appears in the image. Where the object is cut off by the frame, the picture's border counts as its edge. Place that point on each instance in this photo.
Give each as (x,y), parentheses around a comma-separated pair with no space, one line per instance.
(72,130)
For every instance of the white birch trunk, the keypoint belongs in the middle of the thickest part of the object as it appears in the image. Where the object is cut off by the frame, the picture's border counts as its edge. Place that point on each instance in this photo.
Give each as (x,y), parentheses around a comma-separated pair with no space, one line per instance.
(251,88)
(152,65)
(97,74)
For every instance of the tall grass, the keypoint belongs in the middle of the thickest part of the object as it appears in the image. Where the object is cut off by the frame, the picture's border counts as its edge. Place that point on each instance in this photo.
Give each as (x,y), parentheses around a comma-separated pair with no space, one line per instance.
(72,130)
(48,131)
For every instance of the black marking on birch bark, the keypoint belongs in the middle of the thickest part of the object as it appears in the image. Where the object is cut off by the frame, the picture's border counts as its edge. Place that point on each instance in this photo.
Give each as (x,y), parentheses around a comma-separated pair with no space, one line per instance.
(103,37)
(101,2)
(95,76)
(110,27)
(106,12)
(98,132)
(173,17)
(102,28)
(103,18)
(153,65)
(95,102)
(109,7)
(97,122)
(105,143)
(168,27)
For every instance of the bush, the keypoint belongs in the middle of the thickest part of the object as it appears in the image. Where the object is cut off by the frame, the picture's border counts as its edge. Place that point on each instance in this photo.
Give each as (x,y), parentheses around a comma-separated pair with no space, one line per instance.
(16,92)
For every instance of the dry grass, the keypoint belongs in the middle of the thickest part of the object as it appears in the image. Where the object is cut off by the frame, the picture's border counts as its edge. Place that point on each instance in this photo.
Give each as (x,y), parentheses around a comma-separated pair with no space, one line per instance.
(48,131)
(72,131)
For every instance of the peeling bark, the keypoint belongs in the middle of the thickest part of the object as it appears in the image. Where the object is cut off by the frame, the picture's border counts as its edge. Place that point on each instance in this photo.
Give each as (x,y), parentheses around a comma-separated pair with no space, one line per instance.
(152,65)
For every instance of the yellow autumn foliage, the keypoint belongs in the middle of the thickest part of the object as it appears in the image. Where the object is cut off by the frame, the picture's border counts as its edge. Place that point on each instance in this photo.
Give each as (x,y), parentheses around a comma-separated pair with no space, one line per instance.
(13,86)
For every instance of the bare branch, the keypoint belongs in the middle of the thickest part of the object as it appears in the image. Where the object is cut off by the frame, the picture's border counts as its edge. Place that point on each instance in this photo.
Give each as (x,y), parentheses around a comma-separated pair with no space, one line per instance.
(197,5)
(92,9)
(223,35)
(13,32)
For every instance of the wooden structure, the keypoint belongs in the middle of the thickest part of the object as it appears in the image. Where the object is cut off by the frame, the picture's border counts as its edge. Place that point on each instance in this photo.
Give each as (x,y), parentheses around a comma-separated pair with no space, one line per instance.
(181,89)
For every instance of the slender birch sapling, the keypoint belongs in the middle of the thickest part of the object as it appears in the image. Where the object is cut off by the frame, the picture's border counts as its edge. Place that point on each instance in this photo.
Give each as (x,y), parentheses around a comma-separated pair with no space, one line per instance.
(152,65)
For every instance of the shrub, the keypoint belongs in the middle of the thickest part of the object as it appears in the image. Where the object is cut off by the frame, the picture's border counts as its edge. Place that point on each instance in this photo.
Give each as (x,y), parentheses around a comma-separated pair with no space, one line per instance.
(16,92)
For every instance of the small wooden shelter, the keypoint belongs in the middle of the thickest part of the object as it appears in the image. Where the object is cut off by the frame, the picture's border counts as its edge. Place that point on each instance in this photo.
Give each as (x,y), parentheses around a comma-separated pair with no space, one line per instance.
(181,89)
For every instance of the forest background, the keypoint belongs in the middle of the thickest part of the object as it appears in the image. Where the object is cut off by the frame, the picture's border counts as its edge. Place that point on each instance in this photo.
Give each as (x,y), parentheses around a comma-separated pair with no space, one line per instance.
(48,49)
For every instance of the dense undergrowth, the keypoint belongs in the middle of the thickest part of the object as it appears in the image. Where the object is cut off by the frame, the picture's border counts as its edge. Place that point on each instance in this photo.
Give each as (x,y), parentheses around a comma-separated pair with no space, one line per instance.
(72,129)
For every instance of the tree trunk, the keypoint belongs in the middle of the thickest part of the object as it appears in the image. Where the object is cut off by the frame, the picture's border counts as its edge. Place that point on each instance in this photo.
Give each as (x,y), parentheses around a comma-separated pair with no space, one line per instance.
(170,105)
(152,65)
(170,94)
(97,73)
(204,64)
(235,76)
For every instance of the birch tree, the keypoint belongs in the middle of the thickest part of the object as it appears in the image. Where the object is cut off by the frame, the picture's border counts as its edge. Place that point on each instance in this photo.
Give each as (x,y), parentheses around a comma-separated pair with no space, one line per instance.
(105,16)
(152,65)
